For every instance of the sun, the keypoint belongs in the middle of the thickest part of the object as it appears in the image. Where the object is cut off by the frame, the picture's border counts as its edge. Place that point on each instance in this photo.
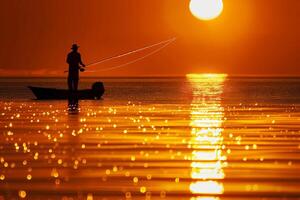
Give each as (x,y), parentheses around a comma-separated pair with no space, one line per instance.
(206,9)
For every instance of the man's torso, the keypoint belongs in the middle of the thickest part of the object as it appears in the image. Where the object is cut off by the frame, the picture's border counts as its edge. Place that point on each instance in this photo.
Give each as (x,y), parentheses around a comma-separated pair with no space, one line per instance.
(73,60)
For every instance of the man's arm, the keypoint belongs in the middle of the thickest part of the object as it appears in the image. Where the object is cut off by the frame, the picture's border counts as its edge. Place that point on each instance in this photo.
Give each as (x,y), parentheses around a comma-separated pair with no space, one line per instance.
(80,61)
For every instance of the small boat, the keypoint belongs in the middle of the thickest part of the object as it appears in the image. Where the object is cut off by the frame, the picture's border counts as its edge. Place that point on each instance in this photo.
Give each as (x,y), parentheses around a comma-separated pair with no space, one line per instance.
(94,93)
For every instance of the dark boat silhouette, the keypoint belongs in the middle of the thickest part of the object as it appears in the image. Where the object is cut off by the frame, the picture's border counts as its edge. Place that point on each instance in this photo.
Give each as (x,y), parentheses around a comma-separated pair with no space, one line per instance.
(94,93)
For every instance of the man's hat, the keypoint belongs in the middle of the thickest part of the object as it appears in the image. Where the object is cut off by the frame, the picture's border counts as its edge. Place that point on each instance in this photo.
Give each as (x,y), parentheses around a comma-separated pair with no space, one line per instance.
(74,46)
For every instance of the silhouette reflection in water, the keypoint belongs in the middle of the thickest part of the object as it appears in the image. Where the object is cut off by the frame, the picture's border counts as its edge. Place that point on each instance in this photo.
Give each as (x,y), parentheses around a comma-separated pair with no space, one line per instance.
(73,104)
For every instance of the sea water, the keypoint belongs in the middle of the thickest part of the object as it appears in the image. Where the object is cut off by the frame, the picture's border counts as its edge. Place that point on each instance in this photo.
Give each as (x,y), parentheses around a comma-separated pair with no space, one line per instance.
(198,137)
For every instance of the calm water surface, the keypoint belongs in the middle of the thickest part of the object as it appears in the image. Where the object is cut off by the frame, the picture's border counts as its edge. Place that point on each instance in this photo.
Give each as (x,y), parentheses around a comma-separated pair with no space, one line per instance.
(200,137)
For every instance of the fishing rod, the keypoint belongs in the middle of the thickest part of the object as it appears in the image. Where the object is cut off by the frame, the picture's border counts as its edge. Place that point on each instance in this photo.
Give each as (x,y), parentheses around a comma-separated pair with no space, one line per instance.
(163,43)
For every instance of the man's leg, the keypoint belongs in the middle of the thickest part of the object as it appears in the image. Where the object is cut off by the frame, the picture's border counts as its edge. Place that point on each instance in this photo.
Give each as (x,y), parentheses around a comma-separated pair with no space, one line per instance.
(75,82)
(70,84)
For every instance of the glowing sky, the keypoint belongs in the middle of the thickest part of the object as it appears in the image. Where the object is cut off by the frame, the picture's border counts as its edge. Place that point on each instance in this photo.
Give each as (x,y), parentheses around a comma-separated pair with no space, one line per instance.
(250,36)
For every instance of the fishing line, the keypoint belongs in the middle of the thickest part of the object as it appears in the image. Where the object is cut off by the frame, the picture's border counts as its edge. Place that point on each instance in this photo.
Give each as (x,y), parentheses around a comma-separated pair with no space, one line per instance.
(138,59)
(132,52)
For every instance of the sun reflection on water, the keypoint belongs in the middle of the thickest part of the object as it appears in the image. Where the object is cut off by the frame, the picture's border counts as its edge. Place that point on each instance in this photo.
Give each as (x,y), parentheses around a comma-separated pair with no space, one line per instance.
(207,116)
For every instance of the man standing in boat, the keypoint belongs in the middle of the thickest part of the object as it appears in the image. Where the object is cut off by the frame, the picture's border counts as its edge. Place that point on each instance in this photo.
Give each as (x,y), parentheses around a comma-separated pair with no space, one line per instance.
(75,65)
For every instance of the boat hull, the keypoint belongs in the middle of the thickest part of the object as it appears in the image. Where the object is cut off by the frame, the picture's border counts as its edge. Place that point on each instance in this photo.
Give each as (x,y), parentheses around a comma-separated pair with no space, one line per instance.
(42,93)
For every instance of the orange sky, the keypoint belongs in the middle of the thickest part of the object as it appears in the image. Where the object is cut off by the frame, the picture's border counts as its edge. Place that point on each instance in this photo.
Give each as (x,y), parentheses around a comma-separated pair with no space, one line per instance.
(250,37)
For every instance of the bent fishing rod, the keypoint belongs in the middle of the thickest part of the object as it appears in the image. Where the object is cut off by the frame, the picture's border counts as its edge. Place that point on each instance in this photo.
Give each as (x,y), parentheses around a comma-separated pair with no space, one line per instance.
(164,44)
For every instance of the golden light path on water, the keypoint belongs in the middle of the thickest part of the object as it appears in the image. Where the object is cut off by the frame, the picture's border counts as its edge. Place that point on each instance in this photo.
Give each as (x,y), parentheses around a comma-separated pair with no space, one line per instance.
(207,116)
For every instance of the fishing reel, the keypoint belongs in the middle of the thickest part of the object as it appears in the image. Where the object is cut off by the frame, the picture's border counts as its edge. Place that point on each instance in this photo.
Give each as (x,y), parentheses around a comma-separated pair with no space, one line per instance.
(82,69)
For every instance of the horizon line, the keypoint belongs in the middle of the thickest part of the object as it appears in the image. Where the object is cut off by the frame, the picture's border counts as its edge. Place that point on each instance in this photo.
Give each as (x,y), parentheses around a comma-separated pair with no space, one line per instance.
(167,76)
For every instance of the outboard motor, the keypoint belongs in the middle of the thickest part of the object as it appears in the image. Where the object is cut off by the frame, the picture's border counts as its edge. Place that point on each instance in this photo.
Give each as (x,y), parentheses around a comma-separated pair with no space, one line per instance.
(98,90)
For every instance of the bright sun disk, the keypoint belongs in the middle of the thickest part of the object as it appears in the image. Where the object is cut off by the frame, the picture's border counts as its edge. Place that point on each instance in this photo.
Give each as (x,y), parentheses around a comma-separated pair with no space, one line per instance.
(206,9)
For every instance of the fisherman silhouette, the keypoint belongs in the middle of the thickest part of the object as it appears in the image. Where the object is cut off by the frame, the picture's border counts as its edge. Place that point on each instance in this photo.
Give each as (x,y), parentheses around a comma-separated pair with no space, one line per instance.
(75,65)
